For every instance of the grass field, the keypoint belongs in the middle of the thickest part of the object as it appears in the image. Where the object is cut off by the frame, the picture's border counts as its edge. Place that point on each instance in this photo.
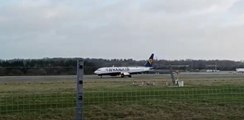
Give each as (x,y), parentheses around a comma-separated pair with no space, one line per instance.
(143,97)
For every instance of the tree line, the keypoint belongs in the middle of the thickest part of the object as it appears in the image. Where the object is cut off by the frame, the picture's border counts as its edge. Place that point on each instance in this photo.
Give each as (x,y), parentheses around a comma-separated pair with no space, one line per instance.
(67,66)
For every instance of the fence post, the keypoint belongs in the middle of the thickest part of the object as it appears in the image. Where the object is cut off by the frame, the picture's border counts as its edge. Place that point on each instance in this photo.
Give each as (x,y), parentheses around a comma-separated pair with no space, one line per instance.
(79,91)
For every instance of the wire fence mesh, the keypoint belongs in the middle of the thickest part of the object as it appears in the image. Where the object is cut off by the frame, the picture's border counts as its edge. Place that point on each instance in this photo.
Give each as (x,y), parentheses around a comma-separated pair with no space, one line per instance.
(142,97)
(37,97)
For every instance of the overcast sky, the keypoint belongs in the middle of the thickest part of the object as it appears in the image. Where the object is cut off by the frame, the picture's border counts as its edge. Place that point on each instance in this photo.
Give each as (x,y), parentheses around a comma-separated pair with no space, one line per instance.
(172,29)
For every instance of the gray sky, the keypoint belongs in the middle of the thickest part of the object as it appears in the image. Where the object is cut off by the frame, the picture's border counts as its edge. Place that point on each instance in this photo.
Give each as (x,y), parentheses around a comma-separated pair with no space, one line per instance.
(172,29)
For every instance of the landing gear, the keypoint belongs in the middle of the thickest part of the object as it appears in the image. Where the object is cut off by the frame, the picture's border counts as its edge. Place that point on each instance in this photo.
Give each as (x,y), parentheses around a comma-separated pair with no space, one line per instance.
(122,75)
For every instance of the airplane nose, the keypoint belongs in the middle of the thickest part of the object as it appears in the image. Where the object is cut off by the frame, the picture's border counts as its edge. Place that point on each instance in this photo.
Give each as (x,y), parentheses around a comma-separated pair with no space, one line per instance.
(96,72)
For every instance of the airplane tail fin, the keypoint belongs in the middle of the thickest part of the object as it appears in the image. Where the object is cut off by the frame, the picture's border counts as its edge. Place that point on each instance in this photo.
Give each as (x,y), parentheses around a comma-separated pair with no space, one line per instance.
(149,61)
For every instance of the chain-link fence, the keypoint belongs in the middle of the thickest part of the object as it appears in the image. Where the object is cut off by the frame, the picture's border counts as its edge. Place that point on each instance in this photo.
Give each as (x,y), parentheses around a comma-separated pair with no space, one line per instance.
(153,97)
(37,97)
(142,97)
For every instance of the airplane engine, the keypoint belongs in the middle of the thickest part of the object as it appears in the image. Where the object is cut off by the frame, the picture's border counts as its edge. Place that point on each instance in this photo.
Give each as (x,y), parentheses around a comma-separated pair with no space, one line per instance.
(125,74)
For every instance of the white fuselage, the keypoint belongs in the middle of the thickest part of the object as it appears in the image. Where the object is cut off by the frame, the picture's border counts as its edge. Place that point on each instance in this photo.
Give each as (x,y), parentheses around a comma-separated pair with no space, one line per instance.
(240,70)
(120,70)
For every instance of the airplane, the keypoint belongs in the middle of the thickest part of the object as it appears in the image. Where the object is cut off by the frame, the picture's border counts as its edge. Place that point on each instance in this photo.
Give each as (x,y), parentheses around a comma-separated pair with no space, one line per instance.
(125,71)
(240,70)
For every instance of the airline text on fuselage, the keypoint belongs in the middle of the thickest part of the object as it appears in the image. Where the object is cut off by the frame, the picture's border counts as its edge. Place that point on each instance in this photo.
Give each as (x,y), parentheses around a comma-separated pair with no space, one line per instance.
(117,69)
